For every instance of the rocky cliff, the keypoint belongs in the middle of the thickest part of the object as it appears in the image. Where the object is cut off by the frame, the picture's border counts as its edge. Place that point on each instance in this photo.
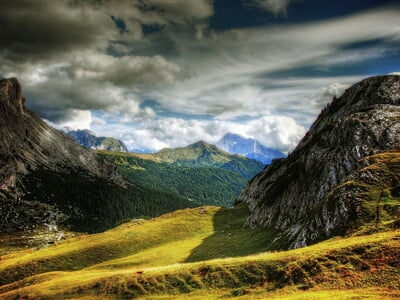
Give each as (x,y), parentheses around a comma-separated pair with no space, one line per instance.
(325,186)
(29,149)
(28,143)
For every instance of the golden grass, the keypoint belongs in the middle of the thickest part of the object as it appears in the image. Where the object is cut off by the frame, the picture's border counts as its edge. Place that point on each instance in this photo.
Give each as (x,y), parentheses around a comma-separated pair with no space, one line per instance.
(159,271)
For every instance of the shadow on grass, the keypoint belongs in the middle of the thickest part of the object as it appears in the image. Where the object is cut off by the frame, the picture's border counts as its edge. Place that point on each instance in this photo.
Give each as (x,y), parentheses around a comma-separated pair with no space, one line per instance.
(230,238)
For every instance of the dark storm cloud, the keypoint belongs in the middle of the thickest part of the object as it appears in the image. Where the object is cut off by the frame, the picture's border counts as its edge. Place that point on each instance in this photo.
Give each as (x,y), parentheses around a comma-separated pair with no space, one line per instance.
(42,30)
(63,51)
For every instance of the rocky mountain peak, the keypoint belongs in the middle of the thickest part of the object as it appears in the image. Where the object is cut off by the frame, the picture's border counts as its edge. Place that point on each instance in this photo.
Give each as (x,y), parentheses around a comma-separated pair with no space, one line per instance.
(295,196)
(249,147)
(33,153)
(11,94)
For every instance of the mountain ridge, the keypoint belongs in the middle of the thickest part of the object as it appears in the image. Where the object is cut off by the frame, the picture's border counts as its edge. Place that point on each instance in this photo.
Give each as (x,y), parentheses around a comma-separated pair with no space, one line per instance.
(294,195)
(203,154)
(91,140)
(47,178)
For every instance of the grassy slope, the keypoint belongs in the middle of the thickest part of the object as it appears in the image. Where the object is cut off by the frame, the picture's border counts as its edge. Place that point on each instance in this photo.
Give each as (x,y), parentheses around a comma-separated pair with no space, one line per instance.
(202,252)
(380,198)
(205,253)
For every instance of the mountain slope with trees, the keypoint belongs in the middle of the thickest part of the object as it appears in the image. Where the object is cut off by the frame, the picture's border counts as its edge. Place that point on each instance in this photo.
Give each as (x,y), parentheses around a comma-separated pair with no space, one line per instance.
(46,178)
(202,154)
(204,185)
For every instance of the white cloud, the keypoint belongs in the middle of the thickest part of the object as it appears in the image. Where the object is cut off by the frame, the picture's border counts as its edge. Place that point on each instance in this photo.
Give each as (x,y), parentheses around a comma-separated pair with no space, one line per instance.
(248,71)
(277,132)
(277,7)
(126,71)
(79,119)
(191,70)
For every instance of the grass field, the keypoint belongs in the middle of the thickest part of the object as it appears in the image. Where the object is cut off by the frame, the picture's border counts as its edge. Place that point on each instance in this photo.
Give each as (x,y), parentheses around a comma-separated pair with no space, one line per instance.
(202,253)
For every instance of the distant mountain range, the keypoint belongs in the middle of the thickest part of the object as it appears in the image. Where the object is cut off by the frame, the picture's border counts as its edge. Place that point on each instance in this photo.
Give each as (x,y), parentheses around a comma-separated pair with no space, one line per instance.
(200,172)
(91,140)
(231,143)
(203,154)
(251,148)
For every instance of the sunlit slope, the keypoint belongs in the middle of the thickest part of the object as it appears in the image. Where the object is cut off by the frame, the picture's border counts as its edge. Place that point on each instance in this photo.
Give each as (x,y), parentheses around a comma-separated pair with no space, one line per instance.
(366,267)
(185,235)
(206,252)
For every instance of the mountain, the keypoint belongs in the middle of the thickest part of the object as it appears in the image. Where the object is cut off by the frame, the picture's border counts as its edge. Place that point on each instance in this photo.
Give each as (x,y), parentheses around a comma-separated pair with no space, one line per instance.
(202,154)
(342,178)
(251,148)
(204,185)
(200,172)
(46,178)
(206,252)
(91,140)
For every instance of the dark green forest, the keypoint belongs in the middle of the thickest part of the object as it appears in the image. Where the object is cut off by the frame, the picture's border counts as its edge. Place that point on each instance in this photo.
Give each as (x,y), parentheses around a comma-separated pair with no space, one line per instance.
(94,204)
(205,185)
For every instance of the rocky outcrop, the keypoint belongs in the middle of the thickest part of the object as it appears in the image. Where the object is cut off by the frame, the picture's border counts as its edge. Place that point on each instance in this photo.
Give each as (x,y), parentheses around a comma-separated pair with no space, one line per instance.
(28,147)
(302,197)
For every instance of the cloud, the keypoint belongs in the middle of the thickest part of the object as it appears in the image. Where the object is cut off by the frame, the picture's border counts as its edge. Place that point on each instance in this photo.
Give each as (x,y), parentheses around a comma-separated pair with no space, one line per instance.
(263,74)
(125,71)
(277,132)
(43,30)
(63,62)
(93,81)
(78,119)
(277,7)
(167,53)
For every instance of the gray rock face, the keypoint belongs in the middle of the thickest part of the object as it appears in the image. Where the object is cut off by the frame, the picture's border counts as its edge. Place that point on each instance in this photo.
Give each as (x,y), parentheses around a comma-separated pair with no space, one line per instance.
(29,145)
(27,142)
(293,196)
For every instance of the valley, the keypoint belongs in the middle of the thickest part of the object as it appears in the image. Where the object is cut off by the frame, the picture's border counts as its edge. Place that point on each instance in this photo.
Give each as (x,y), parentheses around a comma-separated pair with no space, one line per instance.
(321,223)
(200,172)
(199,150)
(202,252)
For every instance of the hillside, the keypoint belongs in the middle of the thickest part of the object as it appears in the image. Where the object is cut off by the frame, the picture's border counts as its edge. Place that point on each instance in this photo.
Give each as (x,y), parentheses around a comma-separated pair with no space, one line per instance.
(91,140)
(204,185)
(206,252)
(320,190)
(202,154)
(251,148)
(48,180)
(180,255)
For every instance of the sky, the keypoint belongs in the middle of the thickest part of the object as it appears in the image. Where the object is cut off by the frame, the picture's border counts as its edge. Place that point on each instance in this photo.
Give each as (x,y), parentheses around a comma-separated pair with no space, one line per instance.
(168,73)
